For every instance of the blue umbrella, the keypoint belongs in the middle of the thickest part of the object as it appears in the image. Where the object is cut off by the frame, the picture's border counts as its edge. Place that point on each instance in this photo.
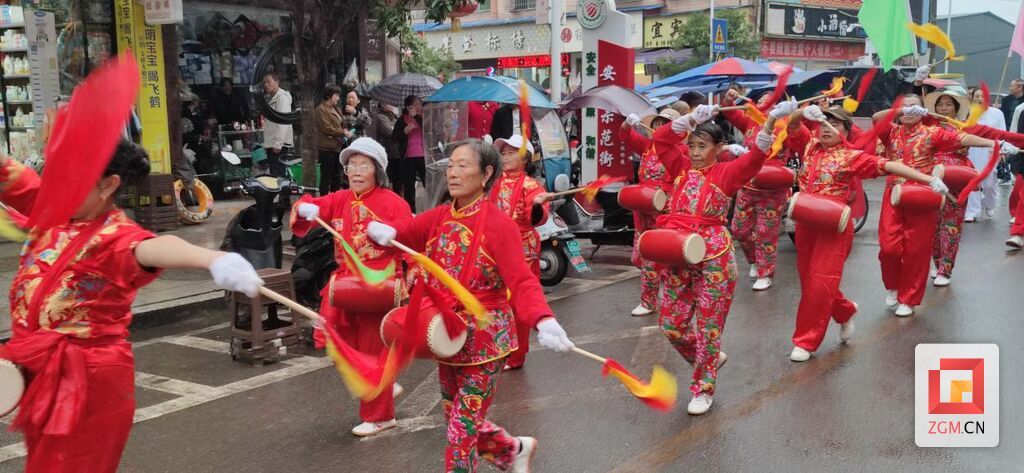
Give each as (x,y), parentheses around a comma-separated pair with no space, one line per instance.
(727,68)
(488,89)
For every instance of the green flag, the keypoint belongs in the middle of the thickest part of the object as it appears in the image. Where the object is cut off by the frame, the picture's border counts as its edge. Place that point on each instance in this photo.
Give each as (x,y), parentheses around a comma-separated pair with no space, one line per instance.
(885,22)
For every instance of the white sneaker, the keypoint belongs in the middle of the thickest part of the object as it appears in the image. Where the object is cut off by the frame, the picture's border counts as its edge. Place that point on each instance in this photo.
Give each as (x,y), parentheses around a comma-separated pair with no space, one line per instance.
(524,459)
(397,390)
(722,358)
(1013,220)
(700,404)
(904,310)
(762,284)
(990,213)
(846,329)
(934,273)
(368,429)
(753,271)
(640,311)
(1016,242)
(941,281)
(970,219)
(799,355)
(891,299)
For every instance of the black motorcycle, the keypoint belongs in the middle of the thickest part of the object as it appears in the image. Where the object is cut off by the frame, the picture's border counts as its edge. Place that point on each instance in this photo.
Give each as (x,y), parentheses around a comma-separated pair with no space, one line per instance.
(313,265)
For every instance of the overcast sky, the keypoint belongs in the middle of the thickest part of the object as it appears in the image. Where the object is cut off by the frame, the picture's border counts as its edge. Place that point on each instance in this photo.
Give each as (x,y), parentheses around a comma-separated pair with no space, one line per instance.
(1008,9)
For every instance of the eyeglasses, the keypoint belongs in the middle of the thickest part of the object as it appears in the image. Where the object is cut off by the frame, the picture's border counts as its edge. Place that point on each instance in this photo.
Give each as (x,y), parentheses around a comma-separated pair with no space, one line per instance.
(358,168)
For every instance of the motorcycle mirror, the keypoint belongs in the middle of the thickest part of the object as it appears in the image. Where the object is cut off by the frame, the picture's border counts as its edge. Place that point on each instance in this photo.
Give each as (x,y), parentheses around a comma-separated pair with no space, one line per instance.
(562,183)
(231,157)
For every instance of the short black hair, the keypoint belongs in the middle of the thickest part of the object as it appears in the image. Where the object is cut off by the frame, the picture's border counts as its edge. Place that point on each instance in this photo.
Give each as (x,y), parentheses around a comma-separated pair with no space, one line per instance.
(130,162)
(710,131)
(273,75)
(330,90)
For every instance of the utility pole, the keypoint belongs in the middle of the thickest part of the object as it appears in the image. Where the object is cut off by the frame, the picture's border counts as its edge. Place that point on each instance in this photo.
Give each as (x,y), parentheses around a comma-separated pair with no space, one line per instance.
(557,8)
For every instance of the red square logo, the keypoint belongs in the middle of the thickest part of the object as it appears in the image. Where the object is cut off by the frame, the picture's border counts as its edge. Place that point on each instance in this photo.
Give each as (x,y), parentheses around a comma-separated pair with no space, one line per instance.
(975,387)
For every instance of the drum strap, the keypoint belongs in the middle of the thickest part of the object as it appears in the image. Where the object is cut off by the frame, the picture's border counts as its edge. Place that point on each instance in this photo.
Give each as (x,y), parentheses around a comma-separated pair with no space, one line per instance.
(517,194)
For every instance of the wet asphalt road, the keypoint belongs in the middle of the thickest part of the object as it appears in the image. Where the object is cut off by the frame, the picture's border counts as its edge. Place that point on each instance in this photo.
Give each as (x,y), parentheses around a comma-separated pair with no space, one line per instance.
(849,409)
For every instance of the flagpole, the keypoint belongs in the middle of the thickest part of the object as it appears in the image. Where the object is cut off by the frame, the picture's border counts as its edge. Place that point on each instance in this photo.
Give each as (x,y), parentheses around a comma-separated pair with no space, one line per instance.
(1009,52)
(949,26)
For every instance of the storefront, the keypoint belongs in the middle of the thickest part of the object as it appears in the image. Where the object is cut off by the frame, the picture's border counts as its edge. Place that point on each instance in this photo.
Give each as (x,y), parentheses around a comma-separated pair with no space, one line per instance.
(811,37)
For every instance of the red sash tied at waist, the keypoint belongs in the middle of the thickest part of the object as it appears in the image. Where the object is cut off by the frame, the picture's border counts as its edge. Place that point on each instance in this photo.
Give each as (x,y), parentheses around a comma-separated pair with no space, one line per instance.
(56,368)
(691,223)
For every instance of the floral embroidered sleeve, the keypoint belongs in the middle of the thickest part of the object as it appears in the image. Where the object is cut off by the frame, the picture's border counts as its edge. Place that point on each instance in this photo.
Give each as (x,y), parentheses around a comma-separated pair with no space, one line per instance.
(121,262)
(1016,139)
(634,141)
(947,140)
(502,240)
(19,185)
(415,232)
(797,139)
(300,226)
(666,144)
(538,213)
(867,166)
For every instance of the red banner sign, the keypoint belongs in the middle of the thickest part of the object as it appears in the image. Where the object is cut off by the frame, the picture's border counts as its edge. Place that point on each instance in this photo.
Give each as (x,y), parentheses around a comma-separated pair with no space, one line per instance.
(810,49)
(538,60)
(614,66)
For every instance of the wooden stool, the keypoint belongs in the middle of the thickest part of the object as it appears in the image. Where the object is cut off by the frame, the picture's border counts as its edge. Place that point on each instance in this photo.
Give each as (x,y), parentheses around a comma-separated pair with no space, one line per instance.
(156,211)
(268,340)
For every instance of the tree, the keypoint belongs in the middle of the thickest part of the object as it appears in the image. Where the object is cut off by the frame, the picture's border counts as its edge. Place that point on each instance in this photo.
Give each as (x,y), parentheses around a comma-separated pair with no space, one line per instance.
(418,56)
(744,40)
(318,26)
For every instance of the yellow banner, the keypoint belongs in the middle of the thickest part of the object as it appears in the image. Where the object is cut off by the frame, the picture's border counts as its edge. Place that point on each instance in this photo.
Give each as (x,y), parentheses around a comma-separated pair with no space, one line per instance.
(146,42)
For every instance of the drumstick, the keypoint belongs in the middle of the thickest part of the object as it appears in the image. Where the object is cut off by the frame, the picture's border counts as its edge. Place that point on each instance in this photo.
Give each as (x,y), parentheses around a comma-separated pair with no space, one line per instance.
(329,228)
(833,128)
(570,191)
(580,351)
(317,319)
(801,102)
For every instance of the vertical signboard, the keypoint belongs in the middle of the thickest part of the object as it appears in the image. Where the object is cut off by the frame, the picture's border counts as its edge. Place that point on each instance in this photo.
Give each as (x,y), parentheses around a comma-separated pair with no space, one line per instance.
(146,43)
(40,29)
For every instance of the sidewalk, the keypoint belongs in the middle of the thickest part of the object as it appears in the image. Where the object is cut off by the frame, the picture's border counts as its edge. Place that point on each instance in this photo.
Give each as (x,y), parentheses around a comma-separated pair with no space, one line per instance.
(174,288)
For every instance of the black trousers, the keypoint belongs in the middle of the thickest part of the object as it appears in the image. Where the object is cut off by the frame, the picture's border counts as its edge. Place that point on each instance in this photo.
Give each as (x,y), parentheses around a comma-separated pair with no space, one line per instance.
(410,170)
(277,168)
(330,172)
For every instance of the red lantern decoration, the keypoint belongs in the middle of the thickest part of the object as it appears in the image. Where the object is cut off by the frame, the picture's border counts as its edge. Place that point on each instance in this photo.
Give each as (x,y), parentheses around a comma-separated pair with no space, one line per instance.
(460,10)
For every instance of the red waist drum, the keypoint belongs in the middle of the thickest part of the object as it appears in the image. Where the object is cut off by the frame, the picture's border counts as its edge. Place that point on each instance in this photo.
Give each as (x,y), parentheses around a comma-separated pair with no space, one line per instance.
(429,333)
(955,177)
(771,178)
(915,197)
(672,247)
(819,212)
(351,294)
(643,198)
(12,386)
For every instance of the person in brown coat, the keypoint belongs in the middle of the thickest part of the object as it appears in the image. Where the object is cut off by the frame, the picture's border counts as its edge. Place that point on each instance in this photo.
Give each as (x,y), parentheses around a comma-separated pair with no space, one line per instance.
(331,138)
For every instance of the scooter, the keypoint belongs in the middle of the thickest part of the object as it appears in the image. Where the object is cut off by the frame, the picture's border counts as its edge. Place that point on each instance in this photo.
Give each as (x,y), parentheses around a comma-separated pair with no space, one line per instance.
(255,232)
(603,222)
(559,249)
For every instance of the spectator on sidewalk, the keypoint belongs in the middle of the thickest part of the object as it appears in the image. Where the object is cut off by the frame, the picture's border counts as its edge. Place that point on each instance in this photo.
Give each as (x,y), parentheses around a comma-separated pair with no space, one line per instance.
(1008,105)
(408,134)
(229,106)
(331,135)
(383,125)
(355,118)
(277,138)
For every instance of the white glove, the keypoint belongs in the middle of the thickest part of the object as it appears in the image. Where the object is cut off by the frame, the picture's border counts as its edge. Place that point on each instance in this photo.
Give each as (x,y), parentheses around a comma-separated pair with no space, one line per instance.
(234,273)
(632,119)
(764,141)
(703,113)
(922,73)
(308,211)
(938,186)
(1007,149)
(915,111)
(682,125)
(551,335)
(736,150)
(381,233)
(814,114)
(784,109)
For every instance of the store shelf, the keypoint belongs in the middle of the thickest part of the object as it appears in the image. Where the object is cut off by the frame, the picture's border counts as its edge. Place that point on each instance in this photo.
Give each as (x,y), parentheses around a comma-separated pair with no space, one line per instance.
(17,76)
(14,25)
(19,102)
(14,50)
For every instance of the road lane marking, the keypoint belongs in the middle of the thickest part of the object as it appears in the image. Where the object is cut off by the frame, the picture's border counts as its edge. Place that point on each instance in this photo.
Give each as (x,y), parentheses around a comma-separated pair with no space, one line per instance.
(200,343)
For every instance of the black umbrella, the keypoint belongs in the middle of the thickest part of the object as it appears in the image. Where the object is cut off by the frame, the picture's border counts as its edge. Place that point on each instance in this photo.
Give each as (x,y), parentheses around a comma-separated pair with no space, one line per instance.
(394,89)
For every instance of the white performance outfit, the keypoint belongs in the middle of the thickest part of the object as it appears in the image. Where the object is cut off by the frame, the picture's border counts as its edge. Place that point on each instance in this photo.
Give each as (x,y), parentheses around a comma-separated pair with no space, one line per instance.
(985,198)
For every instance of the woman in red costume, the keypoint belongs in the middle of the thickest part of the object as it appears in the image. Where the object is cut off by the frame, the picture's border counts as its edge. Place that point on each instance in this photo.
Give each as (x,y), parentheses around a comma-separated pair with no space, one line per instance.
(907,237)
(700,204)
(828,169)
(651,173)
(70,311)
(479,245)
(348,212)
(757,220)
(524,200)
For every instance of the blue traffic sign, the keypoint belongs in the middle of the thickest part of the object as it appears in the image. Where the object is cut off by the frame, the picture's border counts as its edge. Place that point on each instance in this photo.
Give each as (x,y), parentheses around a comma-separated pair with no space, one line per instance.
(720,35)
